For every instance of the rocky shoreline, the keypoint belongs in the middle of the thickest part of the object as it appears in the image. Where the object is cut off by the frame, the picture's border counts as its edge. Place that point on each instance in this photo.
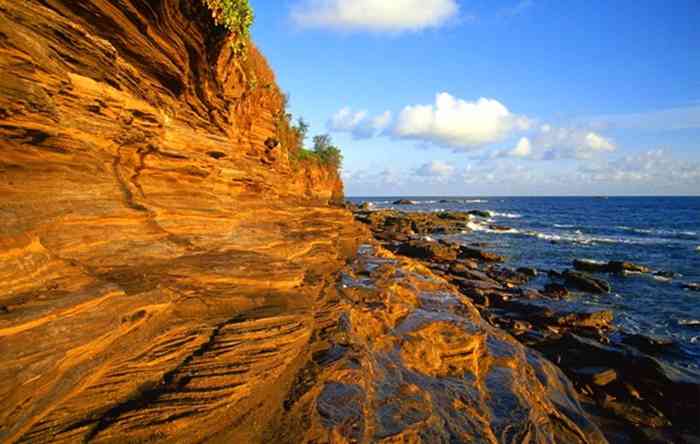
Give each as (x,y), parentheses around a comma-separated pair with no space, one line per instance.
(621,380)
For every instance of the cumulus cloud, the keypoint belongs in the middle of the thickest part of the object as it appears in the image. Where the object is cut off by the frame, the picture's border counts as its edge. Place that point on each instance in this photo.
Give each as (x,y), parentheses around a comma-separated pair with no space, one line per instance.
(458,123)
(436,168)
(654,167)
(358,123)
(374,15)
(559,143)
(522,149)
(346,120)
(568,143)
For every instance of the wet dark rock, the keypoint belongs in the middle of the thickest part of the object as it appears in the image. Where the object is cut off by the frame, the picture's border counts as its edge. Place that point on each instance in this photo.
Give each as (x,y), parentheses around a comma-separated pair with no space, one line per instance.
(648,416)
(508,277)
(479,213)
(590,266)
(623,266)
(609,267)
(461,266)
(666,274)
(413,223)
(649,345)
(554,274)
(403,202)
(692,286)
(584,282)
(468,285)
(530,294)
(365,206)
(595,319)
(473,253)
(555,290)
(340,407)
(527,271)
(454,215)
(433,251)
(597,375)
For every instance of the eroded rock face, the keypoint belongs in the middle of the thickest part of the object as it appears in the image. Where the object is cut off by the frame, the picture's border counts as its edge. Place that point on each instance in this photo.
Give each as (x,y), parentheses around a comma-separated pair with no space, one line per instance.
(158,263)
(412,361)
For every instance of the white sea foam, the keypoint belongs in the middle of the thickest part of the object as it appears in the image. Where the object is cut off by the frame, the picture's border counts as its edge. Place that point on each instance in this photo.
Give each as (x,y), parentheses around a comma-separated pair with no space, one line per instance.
(578,237)
(506,215)
(475,226)
(476,201)
(564,226)
(660,232)
(689,322)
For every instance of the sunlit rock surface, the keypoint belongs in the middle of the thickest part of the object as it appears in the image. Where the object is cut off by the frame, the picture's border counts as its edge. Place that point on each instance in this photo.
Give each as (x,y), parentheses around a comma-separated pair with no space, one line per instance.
(166,276)
(409,359)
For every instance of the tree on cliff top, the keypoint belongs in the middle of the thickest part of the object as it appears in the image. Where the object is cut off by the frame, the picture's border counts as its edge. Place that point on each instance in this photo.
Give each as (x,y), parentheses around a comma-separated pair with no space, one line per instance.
(235,15)
(327,153)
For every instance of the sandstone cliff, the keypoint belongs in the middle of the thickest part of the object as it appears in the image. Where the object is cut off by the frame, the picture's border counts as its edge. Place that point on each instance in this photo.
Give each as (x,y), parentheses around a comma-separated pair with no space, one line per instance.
(166,276)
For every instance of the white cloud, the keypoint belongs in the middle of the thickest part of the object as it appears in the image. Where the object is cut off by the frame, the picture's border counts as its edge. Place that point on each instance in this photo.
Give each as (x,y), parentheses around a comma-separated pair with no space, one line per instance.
(457,123)
(656,168)
(522,149)
(346,120)
(436,168)
(569,143)
(358,123)
(374,15)
(597,142)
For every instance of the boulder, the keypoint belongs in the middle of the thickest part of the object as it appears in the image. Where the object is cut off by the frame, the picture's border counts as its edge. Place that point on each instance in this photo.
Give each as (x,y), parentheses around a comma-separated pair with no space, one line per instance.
(585,282)
(623,266)
(600,376)
(527,271)
(427,250)
(555,290)
(403,202)
(590,266)
(609,267)
(365,206)
(595,319)
(454,215)
(693,286)
(480,213)
(509,276)
(473,253)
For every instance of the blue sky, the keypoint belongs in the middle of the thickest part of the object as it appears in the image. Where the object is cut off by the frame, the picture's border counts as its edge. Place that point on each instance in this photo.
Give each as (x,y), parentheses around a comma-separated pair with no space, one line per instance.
(512,97)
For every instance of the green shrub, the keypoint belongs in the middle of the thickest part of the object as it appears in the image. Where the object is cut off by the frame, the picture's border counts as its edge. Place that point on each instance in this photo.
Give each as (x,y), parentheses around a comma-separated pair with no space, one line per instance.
(235,15)
(328,153)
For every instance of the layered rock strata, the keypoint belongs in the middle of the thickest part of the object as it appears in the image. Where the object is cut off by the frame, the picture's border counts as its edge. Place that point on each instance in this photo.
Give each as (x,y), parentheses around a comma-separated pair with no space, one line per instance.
(169,273)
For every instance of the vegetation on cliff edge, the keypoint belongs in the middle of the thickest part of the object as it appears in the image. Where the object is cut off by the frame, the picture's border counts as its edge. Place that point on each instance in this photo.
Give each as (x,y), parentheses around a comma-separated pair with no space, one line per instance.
(293,136)
(235,15)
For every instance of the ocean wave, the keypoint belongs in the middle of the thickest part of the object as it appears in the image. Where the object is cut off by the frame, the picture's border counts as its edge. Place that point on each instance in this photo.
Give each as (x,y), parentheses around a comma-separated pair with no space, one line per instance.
(682,234)
(475,201)
(564,226)
(506,215)
(689,322)
(578,237)
(475,226)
